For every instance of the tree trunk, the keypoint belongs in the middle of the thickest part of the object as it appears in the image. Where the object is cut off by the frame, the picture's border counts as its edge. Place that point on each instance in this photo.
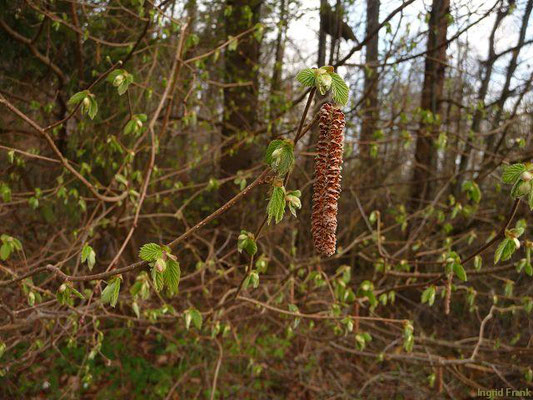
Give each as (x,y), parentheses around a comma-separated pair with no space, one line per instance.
(506,91)
(434,74)
(482,94)
(276,95)
(240,102)
(370,111)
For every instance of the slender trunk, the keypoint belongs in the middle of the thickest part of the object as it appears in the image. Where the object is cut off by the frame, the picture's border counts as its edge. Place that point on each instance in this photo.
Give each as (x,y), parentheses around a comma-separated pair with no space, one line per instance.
(336,31)
(371,112)
(322,35)
(240,102)
(482,94)
(275,88)
(434,73)
(506,90)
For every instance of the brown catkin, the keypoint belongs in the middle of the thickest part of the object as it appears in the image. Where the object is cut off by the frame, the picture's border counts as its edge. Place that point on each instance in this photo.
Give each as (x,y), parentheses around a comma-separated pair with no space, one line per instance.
(327,185)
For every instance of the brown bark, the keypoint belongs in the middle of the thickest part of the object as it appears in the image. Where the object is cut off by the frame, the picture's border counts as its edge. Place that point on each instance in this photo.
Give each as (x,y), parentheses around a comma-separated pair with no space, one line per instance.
(434,74)
(371,111)
(240,102)
(482,94)
(275,88)
(506,90)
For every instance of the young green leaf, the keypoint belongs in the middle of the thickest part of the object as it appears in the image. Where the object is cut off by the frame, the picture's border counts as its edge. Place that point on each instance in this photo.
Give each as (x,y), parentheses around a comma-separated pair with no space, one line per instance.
(339,89)
(88,255)
(171,276)
(150,252)
(280,155)
(157,278)
(293,200)
(323,80)
(512,172)
(194,316)
(78,97)
(5,251)
(136,310)
(472,191)
(272,146)
(478,262)
(459,271)
(3,348)
(252,279)
(111,291)
(408,337)
(428,295)
(505,250)
(92,110)
(276,205)
(5,192)
(246,241)
(306,77)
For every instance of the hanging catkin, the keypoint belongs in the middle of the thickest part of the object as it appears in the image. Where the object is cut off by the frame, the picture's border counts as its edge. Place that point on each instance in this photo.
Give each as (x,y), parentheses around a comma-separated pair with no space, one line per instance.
(327,185)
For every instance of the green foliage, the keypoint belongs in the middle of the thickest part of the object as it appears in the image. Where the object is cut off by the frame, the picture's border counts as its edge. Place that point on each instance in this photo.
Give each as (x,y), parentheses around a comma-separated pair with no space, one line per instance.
(453,265)
(478,262)
(65,292)
(252,279)
(194,316)
(9,245)
(88,102)
(88,255)
(111,291)
(135,125)
(362,339)
(232,46)
(276,205)
(509,244)
(141,287)
(293,200)
(511,173)
(165,268)
(78,97)
(150,252)
(520,176)
(366,289)
(5,192)
(339,90)
(505,250)
(171,277)
(246,241)
(121,79)
(428,295)
(472,191)
(157,279)
(325,79)
(306,77)
(280,155)
(408,337)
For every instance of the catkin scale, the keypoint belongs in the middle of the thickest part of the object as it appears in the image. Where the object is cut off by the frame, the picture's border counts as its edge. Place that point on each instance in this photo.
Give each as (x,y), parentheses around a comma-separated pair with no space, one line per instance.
(327,185)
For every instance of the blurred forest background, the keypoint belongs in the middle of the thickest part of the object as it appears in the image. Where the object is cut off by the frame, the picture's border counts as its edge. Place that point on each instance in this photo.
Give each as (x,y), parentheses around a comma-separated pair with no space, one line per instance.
(127,122)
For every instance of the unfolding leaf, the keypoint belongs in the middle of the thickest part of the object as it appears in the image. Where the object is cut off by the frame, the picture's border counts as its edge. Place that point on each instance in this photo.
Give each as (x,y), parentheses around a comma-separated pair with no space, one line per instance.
(306,77)
(111,292)
(150,252)
(512,172)
(88,255)
(339,89)
(171,276)
(276,205)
